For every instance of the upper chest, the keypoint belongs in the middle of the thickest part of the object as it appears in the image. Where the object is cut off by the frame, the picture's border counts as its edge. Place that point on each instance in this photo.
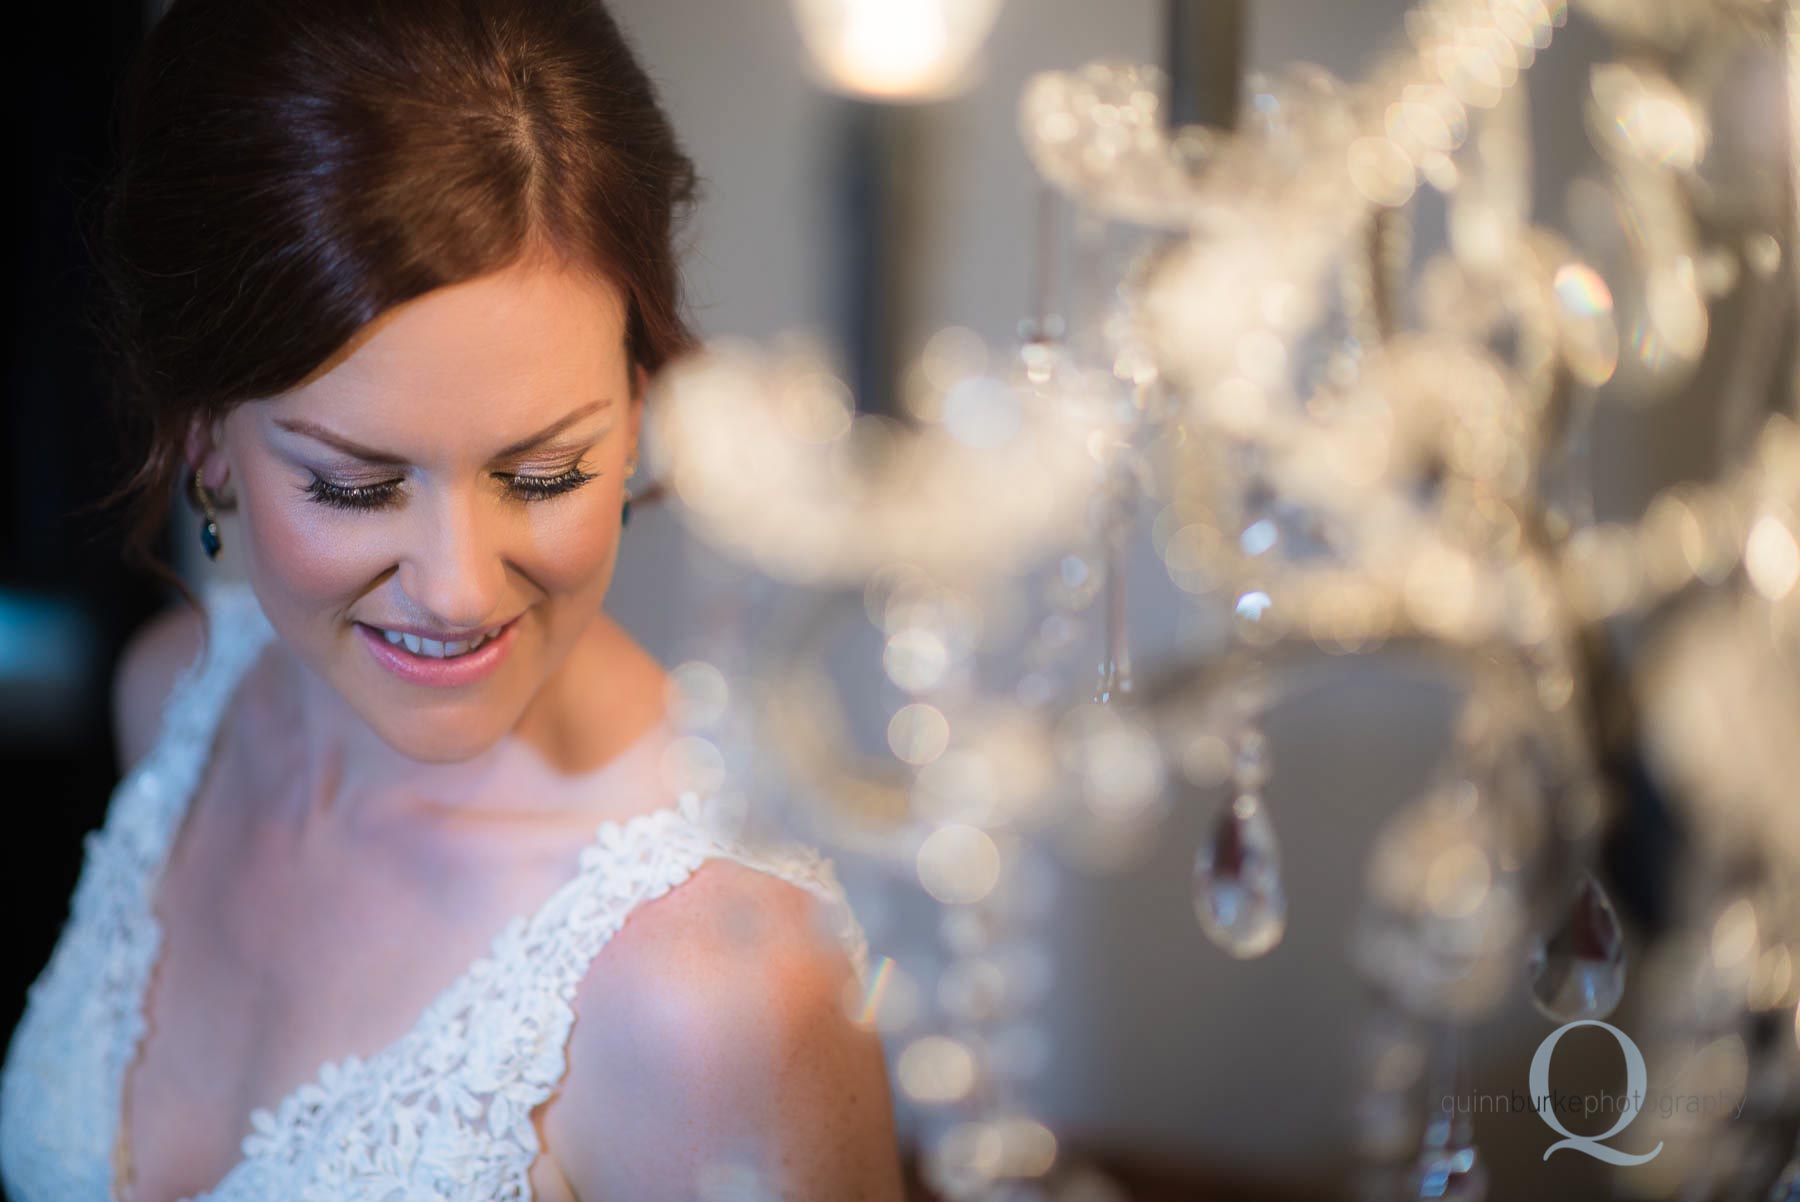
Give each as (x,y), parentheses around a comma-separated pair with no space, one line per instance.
(284,949)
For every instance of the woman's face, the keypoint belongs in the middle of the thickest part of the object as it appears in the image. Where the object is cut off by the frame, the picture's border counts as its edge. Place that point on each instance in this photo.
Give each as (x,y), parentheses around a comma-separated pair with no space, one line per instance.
(455,475)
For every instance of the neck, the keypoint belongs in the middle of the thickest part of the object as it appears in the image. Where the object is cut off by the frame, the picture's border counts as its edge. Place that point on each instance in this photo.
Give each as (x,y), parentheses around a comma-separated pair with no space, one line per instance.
(554,760)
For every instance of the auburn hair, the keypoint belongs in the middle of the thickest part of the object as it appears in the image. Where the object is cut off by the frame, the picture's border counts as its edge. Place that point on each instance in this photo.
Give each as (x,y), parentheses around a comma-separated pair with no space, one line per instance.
(287,172)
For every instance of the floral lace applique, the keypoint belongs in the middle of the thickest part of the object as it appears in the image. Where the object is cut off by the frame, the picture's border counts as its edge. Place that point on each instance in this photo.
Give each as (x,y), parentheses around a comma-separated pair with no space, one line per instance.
(444,1112)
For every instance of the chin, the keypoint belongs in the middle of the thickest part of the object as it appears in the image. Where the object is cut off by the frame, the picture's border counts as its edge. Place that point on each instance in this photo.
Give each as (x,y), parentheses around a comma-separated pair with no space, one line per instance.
(435,738)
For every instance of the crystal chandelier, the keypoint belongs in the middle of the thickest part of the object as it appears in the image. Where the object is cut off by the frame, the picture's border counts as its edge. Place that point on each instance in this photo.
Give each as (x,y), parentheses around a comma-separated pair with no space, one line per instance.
(1354,453)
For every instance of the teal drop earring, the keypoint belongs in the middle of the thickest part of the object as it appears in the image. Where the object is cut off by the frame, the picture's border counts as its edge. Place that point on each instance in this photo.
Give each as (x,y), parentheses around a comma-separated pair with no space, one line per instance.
(625,510)
(209,521)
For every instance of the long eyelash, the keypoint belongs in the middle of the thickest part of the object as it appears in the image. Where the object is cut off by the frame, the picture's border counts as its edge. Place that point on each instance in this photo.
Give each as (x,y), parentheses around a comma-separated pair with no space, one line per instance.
(362,496)
(542,488)
(377,496)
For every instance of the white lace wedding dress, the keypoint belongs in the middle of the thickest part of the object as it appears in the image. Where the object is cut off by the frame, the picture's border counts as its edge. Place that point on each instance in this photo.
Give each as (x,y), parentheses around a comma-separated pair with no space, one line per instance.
(444,1112)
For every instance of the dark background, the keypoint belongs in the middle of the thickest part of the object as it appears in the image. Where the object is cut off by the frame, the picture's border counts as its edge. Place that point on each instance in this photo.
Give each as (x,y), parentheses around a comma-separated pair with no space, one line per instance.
(67,601)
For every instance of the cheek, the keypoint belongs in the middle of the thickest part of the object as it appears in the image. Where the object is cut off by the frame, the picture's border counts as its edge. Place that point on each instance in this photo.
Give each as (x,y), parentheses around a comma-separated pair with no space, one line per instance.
(303,550)
(571,546)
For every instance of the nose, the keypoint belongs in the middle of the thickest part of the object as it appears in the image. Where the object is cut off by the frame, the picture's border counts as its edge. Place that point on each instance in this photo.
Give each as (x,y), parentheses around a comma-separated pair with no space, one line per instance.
(454,568)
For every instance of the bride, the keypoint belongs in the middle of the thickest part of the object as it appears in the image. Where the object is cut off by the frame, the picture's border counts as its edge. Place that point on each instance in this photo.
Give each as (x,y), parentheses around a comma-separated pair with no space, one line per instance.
(395,900)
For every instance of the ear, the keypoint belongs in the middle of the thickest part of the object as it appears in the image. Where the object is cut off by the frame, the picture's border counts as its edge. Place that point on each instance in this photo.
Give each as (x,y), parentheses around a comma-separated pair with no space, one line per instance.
(640,384)
(205,451)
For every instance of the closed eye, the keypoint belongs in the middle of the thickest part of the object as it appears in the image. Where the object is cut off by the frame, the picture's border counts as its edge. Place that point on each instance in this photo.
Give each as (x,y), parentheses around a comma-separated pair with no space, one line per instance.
(542,488)
(523,486)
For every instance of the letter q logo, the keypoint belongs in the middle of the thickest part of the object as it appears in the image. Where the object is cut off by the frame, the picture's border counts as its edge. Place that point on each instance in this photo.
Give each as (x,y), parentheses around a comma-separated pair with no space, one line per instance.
(1635,1080)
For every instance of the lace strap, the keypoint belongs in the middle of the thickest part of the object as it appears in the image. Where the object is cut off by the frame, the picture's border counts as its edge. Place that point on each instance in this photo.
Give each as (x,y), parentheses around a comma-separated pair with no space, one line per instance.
(524,1003)
(635,862)
(141,817)
(110,907)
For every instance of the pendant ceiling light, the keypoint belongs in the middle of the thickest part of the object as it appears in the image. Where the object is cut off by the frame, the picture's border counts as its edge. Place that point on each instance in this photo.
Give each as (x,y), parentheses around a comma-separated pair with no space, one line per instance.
(896,49)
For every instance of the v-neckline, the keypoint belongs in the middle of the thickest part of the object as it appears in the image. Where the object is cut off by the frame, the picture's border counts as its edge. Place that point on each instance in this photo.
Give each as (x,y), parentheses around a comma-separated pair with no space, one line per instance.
(332,1075)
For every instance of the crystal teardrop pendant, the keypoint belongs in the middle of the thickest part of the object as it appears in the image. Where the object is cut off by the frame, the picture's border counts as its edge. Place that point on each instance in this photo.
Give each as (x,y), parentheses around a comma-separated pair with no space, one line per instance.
(1449,1166)
(1238,894)
(1579,971)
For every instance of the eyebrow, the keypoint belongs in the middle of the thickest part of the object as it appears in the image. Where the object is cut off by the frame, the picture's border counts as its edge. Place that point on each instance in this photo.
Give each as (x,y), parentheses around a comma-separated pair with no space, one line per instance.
(350,447)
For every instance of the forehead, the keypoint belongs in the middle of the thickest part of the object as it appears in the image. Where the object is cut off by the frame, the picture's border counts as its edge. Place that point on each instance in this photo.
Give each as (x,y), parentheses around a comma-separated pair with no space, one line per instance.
(508,350)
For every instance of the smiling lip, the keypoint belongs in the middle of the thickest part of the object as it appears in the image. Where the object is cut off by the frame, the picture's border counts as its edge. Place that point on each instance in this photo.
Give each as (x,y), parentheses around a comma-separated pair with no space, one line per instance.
(432,672)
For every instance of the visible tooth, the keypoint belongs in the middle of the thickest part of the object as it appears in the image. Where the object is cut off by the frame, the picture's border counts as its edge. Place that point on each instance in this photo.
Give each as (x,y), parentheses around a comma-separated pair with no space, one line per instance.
(436,648)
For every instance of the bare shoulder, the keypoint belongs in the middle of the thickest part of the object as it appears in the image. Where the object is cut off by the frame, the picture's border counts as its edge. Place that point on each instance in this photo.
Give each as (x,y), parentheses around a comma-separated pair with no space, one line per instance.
(153,657)
(713,1036)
